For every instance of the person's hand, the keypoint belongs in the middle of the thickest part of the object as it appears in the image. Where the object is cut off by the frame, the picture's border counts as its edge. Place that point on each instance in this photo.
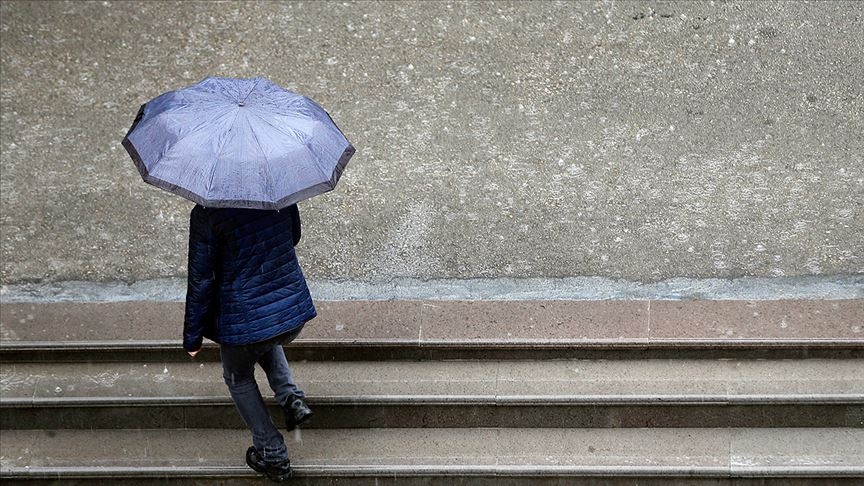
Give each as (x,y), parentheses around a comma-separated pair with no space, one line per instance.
(193,353)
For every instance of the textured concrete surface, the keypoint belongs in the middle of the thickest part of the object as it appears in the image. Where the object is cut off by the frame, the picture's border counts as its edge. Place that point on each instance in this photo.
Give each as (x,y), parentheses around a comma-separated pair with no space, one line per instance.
(637,141)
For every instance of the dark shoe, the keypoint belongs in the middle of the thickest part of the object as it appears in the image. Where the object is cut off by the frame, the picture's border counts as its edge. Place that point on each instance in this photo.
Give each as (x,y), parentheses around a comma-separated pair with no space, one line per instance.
(277,472)
(296,412)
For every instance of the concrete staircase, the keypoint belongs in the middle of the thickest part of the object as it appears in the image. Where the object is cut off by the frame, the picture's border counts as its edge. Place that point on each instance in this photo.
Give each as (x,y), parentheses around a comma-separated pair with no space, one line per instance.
(437,392)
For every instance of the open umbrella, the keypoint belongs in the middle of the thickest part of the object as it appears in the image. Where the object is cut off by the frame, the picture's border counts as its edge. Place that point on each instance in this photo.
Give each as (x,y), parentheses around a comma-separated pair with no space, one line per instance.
(243,143)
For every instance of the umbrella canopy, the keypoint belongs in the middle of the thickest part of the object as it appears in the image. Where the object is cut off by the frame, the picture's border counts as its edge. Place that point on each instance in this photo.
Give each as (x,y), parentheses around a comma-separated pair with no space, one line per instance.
(243,143)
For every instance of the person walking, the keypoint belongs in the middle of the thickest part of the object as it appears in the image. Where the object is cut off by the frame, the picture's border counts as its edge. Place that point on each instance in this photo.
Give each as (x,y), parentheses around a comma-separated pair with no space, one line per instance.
(246,291)
(246,151)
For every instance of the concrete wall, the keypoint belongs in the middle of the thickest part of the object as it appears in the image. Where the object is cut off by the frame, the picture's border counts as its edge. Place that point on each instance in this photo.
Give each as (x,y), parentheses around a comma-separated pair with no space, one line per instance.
(626,140)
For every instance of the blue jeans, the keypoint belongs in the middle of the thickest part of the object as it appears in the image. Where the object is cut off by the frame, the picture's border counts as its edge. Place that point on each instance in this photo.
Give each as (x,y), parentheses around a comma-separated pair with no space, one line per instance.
(238,369)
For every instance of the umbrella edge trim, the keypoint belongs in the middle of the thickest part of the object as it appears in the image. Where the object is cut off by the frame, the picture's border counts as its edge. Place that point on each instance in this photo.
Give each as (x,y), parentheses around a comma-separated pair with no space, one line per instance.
(341,164)
(130,147)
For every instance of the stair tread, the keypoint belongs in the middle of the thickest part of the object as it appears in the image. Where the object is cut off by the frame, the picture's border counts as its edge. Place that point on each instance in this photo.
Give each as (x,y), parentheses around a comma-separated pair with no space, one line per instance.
(453,380)
(616,328)
(690,448)
(466,321)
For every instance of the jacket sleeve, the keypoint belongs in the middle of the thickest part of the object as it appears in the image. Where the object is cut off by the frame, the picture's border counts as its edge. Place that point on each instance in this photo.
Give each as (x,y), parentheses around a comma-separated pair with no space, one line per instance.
(295,222)
(200,282)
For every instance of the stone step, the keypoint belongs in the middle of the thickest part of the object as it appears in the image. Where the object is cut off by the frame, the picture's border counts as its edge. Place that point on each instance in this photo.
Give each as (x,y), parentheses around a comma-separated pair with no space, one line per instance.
(400,330)
(366,350)
(555,393)
(438,455)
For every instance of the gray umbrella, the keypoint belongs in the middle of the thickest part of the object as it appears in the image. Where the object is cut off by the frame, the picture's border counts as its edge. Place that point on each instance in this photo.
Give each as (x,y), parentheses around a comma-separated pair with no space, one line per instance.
(243,143)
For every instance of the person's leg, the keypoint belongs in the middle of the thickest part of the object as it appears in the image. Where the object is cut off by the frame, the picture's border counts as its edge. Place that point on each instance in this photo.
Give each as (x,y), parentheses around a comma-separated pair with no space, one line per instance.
(287,394)
(275,365)
(238,365)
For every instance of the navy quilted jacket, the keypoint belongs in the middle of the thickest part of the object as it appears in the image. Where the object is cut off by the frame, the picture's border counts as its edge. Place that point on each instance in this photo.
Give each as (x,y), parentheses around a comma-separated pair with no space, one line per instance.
(245,284)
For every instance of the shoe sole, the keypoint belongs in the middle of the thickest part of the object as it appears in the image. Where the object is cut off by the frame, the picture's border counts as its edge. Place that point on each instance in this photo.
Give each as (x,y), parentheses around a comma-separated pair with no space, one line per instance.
(297,423)
(278,479)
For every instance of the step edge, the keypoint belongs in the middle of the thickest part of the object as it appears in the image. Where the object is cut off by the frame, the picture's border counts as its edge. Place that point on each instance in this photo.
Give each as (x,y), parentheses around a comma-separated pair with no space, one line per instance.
(438,400)
(550,343)
(312,470)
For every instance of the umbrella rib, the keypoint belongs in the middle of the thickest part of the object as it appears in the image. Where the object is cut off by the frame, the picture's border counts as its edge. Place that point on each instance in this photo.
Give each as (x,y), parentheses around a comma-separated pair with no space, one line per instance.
(305,146)
(266,162)
(180,107)
(250,92)
(276,127)
(219,155)
(171,110)
(191,133)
